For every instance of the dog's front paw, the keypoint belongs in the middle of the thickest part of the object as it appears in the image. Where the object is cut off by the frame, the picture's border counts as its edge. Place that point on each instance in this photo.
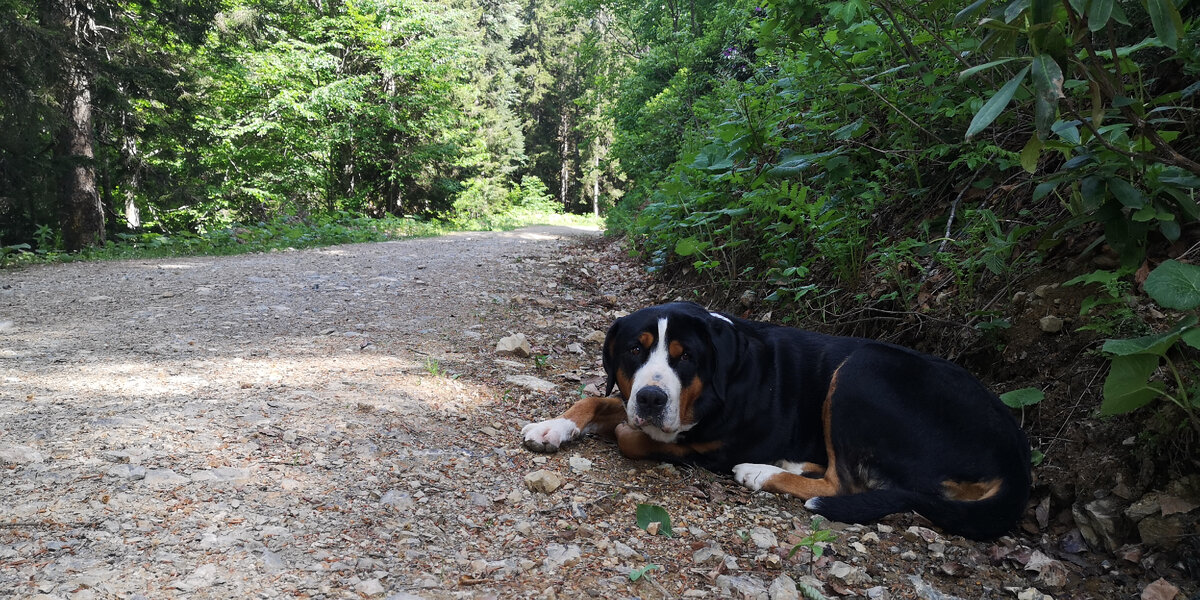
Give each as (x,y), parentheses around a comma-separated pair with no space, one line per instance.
(755,476)
(547,436)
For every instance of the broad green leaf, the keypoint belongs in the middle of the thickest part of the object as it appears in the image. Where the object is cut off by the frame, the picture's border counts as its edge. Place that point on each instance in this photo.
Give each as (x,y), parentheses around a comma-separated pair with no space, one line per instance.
(993,107)
(1098,13)
(1174,285)
(653,513)
(1155,345)
(1125,193)
(1168,25)
(1127,387)
(1031,153)
(1022,397)
(689,245)
(1048,84)
(1014,10)
(1191,337)
(1043,189)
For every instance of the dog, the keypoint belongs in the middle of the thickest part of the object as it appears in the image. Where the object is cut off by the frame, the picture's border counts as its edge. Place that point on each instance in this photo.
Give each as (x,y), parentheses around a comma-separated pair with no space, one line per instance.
(859,429)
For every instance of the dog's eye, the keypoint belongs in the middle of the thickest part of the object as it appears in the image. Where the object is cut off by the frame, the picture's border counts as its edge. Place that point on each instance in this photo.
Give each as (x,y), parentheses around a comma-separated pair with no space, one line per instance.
(685,356)
(636,350)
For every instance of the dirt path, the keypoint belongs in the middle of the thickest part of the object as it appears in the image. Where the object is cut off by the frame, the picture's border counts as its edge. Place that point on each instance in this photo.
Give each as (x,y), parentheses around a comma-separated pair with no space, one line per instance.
(334,423)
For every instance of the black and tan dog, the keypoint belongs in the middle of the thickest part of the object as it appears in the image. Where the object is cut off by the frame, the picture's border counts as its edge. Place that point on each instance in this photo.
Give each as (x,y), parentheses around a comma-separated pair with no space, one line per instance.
(860,429)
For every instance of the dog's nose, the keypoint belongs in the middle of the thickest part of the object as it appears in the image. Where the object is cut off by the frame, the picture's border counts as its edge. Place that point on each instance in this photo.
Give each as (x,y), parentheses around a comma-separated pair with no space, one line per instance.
(651,399)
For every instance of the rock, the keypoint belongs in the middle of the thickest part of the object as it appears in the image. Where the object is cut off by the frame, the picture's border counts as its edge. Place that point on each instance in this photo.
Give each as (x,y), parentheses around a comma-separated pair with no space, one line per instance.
(743,586)
(398,499)
(1033,594)
(928,592)
(1101,522)
(204,576)
(653,527)
(515,345)
(580,464)
(543,481)
(370,587)
(708,554)
(558,555)
(478,499)
(1050,324)
(783,588)
(17,454)
(1050,572)
(163,477)
(127,471)
(595,337)
(575,348)
(623,550)
(849,574)
(530,382)
(1162,532)
(763,538)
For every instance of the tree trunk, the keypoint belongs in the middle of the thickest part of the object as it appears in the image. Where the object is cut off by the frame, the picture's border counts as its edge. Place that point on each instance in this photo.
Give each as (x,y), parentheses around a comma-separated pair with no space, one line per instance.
(79,207)
(596,185)
(564,132)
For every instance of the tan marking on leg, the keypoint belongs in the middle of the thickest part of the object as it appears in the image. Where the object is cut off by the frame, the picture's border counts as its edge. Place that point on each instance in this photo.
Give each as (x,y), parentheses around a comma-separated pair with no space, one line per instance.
(970,491)
(603,413)
(809,469)
(810,487)
(637,445)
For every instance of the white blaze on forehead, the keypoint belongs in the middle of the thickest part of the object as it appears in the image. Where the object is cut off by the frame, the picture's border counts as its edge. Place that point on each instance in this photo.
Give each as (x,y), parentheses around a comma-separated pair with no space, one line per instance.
(657,372)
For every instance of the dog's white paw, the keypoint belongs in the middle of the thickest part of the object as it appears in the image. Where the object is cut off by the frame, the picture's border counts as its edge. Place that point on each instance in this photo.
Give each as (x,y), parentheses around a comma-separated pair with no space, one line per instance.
(754,476)
(547,436)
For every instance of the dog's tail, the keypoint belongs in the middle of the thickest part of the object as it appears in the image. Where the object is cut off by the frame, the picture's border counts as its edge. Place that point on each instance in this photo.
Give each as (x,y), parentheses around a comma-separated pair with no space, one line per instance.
(976,519)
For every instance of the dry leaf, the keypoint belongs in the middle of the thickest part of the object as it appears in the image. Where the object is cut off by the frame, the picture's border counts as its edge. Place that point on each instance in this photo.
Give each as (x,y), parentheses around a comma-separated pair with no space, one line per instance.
(1160,590)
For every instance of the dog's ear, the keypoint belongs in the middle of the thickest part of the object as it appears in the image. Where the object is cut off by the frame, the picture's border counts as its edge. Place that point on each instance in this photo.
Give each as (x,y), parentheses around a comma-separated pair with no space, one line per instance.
(725,351)
(608,357)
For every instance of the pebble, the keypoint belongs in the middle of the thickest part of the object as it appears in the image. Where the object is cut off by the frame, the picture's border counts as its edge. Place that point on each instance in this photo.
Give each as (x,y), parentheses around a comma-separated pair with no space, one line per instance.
(530,382)
(370,587)
(543,481)
(580,464)
(763,538)
(783,588)
(1050,324)
(515,345)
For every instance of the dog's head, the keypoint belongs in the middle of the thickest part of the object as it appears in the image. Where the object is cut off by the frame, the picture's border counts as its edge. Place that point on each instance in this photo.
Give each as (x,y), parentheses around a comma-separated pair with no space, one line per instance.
(666,361)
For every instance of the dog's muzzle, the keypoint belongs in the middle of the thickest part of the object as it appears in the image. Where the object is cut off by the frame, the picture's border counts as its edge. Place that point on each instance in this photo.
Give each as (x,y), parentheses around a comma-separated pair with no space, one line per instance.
(651,405)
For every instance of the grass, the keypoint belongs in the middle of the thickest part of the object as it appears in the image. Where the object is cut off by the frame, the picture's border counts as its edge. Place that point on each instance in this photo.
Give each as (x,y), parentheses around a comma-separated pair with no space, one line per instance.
(282,234)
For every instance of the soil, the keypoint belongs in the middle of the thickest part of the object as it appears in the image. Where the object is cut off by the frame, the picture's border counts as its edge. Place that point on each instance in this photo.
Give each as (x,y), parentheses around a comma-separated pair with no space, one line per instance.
(336,423)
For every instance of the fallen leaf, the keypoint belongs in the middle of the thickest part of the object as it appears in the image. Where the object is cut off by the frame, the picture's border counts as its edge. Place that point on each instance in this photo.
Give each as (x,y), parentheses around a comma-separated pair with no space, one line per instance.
(1160,590)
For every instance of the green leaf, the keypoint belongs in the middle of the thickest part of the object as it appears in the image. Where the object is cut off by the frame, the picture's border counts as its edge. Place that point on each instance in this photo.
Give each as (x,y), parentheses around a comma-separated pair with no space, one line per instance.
(1098,13)
(653,513)
(1174,285)
(968,13)
(1191,337)
(1031,153)
(1048,85)
(985,66)
(1127,387)
(993,107)
(1168,25)
(1125,192)
(636,574)
(1150,345)
(1022,397)
(689,245)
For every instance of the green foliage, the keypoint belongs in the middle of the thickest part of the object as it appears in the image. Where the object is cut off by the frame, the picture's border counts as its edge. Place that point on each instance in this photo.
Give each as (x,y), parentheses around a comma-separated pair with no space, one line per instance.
(640,572)
(1023,397)
(1132,381)
(816,540)
(647,514)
